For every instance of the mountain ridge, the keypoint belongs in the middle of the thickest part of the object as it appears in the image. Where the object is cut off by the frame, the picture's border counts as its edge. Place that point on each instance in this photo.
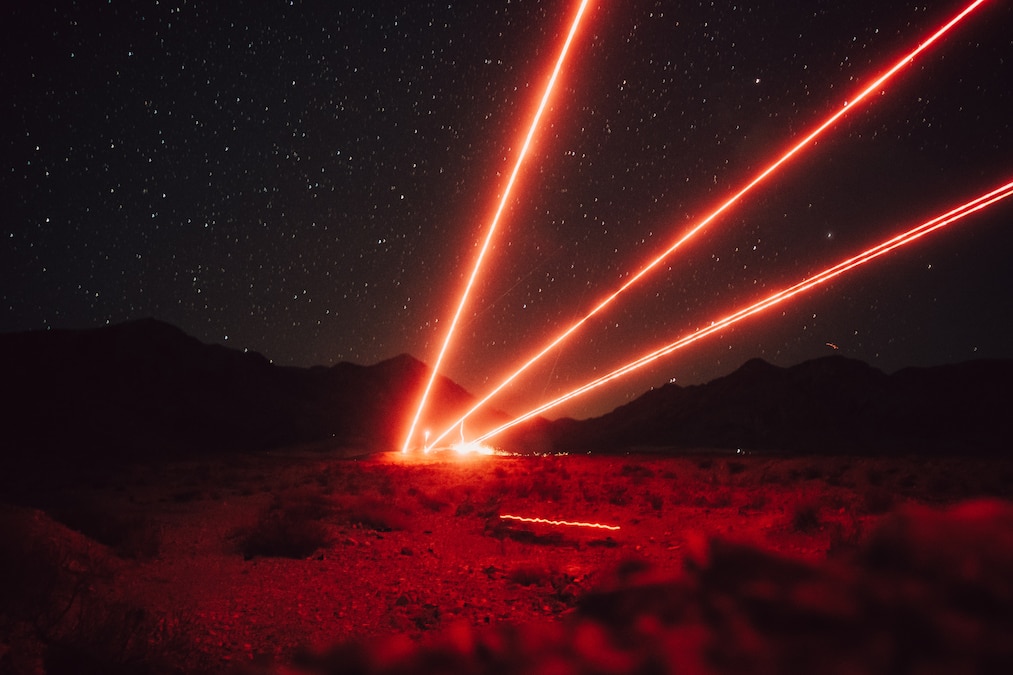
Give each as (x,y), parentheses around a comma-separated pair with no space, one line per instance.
(145,388)
(831,403)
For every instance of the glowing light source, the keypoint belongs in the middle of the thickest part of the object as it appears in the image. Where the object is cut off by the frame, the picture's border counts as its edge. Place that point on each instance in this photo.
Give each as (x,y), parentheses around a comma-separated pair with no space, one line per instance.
(848,105)
(567,523)
(465,448)
(905,238)
(495,221)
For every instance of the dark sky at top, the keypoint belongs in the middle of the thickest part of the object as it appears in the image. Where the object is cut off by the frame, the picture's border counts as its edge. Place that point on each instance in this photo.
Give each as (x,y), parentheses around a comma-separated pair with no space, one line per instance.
(310,180)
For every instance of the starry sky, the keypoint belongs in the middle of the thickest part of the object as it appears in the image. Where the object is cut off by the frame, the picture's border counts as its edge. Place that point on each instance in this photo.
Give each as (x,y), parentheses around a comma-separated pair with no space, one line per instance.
(311,180)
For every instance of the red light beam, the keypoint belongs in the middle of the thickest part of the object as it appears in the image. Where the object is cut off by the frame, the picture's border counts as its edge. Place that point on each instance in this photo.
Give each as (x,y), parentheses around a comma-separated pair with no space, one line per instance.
(696,229)
(495,221)
(568,523)
(885,247)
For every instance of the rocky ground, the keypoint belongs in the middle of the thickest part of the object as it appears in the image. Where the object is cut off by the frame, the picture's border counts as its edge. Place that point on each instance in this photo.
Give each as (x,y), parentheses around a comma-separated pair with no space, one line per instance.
(930,592)
(306,561)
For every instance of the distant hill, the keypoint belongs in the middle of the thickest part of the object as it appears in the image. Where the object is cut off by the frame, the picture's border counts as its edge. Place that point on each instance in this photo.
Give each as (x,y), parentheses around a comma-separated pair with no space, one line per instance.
(829,404)
(146,389)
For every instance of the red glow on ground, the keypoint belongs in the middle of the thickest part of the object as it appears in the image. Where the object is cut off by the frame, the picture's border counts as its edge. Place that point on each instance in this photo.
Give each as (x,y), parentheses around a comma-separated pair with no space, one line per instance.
(495,221)
(848,105)
(907,237)
(567,523)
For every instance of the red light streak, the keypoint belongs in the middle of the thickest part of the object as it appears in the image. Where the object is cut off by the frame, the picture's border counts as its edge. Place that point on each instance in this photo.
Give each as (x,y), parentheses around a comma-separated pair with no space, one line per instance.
(568,523)
(885,247)
(495,221)
(696,229)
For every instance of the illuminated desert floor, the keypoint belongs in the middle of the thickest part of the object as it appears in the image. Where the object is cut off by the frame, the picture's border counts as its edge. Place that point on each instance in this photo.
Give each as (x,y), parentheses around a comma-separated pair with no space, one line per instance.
(207,564)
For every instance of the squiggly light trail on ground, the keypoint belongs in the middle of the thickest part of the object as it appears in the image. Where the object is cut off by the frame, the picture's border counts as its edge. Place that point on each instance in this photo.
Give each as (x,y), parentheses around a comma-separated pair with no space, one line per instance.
(696,229)
(495,221)
(907,237)
(568,523)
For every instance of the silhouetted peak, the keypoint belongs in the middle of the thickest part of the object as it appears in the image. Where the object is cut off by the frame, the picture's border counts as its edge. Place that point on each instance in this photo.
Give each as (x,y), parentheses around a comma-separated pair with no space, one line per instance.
(148,324)
(837,367)
(757,366)
(405,362)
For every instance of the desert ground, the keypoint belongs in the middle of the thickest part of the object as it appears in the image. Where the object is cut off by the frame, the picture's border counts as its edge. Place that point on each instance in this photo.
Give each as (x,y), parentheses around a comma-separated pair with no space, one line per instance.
(256,562)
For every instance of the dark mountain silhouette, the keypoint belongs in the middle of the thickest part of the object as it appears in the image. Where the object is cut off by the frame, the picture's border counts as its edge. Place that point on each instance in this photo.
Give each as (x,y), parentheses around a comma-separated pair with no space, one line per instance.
(825,405)
(146,389)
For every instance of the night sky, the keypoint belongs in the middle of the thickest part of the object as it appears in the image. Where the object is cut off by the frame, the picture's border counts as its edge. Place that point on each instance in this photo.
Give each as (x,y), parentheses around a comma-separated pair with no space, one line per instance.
(310,180)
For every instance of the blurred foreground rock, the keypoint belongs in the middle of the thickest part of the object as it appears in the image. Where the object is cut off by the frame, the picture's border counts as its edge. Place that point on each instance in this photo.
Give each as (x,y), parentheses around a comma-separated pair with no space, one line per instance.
(928,592)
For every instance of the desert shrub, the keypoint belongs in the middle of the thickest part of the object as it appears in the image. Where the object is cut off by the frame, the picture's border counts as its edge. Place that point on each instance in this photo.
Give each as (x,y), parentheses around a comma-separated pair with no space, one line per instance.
(636,471)
(845,537)
(129,536)
(189,495)
(618,495)
(877,500)
(555,465)
(735,468)
(811,472)
(520,488)
(305,504)
(547,489)
(290,527)
(908,481)
(655,501)
(942,484)
(349,478)
(756,500)
(713,499)
(427,616)
(805,515)
(323,479)
(284,534)
(836,477)
(39,578)
(772,477)
(428,502)
(374,513)
(121,639)
(53,584)
(530,575)
(386,486)
(588,492)
(721,499)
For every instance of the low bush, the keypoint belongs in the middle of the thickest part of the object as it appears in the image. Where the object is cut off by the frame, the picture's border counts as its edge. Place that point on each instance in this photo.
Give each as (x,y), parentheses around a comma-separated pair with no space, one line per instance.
(877,501)
(121,639)
(129,536)
(805,515)
(291,527)
(637,472)
(547,489)
(530,575)
(428,502)
(845,537)
(618,495)
(284,534)
(655,501)
(713,499)
(374,513)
